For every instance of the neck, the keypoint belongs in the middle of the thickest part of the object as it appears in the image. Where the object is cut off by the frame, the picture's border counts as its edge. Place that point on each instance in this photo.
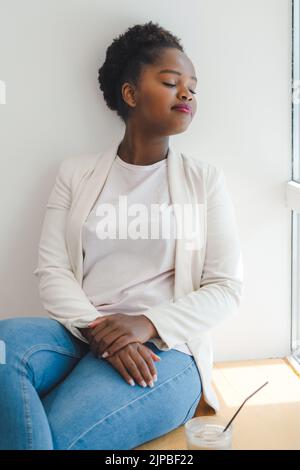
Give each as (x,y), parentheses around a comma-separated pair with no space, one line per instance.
(140,149)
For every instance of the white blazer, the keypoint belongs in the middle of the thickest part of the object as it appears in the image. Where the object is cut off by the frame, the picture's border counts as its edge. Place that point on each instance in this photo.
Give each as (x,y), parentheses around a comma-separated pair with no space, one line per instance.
(208,282)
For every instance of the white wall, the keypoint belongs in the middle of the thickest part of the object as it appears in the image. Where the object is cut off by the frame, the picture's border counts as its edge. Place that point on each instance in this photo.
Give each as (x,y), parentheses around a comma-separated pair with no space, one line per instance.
(50,52)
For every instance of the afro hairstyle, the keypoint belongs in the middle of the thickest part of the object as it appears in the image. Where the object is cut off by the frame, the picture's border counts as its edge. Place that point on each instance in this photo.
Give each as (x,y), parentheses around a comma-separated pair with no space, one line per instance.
(125,57)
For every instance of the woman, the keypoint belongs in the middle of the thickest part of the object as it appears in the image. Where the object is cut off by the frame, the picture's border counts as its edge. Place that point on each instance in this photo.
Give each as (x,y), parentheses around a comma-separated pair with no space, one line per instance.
(148,302)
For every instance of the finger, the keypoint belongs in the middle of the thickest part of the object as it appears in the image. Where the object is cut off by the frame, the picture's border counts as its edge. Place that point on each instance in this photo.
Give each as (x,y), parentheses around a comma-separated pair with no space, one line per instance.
(130,364)
(154,356)
(97,333)
(142,367)
(101,325)
(118,364)
(106,340)
(148,359)
(118,344)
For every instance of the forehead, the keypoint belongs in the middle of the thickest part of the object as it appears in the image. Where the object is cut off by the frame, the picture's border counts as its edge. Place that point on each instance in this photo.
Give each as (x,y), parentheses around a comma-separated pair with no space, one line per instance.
(172,59)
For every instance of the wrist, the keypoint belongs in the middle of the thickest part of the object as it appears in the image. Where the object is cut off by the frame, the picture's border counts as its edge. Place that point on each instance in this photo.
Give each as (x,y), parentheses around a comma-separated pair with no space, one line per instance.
(151,327)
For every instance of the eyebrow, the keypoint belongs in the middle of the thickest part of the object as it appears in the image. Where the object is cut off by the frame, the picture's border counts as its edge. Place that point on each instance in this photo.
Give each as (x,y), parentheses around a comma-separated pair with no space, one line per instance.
(174,71)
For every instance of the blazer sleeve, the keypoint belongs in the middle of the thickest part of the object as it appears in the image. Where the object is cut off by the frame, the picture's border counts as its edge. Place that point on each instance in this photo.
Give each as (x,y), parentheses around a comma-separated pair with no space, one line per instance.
(221,285)
(61,295)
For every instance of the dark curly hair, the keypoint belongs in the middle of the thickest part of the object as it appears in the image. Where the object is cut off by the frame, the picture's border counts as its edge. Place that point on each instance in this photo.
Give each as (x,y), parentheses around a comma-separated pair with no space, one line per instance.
(125,57)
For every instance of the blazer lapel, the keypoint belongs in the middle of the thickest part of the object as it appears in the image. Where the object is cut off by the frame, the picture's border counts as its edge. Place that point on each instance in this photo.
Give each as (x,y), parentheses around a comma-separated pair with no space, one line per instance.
(179,195)
(84,204)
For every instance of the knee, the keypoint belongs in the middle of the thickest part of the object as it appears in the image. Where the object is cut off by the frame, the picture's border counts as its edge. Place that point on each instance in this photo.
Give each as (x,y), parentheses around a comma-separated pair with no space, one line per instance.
(19,333)
(11,328)
(10,339)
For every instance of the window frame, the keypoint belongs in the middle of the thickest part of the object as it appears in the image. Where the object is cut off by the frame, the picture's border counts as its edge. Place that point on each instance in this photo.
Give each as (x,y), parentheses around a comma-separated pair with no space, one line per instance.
(293,190)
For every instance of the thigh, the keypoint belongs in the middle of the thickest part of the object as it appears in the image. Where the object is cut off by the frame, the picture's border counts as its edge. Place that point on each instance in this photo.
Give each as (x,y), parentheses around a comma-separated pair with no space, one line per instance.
(40,348)
(94,408)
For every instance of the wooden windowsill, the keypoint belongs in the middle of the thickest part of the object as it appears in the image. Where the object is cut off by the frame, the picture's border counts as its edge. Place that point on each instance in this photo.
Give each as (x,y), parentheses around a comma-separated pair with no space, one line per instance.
(269,420)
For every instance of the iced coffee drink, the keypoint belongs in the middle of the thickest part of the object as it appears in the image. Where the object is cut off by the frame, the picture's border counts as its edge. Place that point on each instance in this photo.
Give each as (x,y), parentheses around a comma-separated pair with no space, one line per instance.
(206,433)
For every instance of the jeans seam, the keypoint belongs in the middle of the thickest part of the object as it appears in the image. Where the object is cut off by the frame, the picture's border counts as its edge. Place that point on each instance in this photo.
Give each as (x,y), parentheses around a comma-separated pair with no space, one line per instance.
(130,403)
(24,359)
(41,347)
(28,421)
(195,401)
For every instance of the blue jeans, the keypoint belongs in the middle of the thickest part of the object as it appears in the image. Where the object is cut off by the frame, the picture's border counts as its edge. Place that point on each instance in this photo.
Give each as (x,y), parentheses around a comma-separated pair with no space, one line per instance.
(55,394)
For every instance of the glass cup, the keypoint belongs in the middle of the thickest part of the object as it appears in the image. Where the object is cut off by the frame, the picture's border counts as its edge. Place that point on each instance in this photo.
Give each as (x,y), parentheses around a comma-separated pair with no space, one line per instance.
(206,433)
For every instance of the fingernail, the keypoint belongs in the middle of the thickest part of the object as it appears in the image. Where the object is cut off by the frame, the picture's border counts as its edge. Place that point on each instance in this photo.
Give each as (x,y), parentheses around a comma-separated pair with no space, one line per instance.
(105,354)
(151,384)
(155,378)
(131,381)
(143,383)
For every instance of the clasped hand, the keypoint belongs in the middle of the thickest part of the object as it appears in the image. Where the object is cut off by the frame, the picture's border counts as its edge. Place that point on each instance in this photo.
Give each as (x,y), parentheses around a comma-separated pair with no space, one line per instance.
(110,333)
(122,336)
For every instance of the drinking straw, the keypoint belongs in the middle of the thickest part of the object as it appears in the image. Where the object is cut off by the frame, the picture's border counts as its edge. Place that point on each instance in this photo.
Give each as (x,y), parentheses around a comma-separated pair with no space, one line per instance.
(235,414)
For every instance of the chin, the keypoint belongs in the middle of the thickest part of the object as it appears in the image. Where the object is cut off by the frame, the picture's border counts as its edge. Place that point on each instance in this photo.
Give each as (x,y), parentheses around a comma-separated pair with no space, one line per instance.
(178,130)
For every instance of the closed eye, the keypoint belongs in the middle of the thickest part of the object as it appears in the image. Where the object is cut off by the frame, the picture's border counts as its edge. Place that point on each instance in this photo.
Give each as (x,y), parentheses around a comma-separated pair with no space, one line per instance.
(171,85)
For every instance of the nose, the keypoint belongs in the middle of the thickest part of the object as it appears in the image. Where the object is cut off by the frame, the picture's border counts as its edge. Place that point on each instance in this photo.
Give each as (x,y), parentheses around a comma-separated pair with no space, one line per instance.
(184,95)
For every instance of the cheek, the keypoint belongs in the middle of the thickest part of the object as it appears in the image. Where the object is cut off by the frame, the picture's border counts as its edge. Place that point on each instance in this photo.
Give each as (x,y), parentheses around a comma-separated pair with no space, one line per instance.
(156,103)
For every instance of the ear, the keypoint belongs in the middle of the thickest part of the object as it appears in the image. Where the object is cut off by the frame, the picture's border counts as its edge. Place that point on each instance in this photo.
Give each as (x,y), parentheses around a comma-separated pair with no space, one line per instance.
(129,94)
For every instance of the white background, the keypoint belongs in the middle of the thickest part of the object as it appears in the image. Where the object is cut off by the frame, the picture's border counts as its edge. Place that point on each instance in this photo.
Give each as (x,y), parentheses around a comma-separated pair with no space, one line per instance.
(50,52)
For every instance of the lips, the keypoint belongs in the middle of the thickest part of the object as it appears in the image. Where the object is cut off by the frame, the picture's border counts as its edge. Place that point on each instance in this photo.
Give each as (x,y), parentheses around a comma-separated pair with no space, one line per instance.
(183,108)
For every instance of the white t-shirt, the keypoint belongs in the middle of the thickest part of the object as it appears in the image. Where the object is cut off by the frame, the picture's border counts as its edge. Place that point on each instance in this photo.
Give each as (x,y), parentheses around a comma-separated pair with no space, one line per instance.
(129,275)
